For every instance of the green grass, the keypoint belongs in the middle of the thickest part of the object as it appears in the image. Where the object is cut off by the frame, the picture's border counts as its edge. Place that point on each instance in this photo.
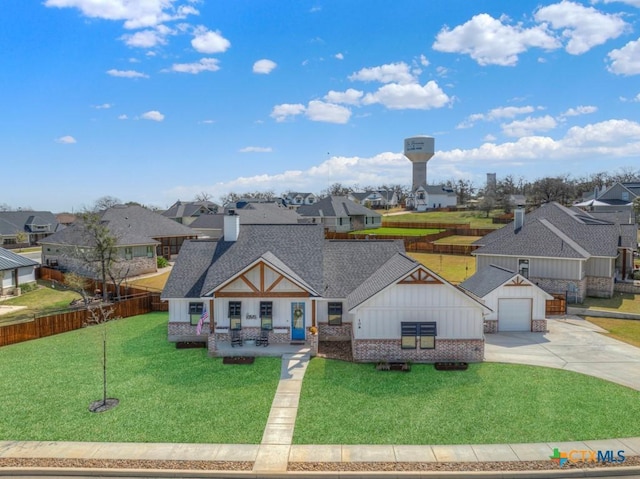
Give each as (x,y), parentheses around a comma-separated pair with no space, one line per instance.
(456,239)
(453,268)
(40,301)
(620,302)
(347,403)
(477,219)
(155,283)
(398,231)
(166,394)
(626,330)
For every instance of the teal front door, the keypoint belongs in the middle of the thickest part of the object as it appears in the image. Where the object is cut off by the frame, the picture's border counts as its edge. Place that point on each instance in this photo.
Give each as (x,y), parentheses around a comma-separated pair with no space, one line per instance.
(297,321)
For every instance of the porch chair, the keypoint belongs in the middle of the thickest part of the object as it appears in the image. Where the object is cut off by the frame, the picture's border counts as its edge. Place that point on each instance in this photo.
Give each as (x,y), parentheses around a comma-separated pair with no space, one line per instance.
(236,338)
(263,339)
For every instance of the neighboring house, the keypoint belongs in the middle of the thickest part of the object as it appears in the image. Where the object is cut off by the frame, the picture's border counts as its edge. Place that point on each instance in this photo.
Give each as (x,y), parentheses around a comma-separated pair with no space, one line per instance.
(562,250)
(141,236)
(617,197)
(212,226)
(517,304)
(295,199)
(427,197)
(375,199)
(31,225)
(340,214)
(65,219)
(15,270)
(284,279)
(186,212)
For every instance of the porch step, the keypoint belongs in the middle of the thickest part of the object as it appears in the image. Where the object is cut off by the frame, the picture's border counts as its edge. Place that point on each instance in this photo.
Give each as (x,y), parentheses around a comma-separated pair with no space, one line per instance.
(297,343)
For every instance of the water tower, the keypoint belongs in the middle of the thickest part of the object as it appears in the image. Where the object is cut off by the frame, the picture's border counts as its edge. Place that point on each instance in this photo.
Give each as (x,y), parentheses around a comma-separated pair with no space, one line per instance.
(419,149)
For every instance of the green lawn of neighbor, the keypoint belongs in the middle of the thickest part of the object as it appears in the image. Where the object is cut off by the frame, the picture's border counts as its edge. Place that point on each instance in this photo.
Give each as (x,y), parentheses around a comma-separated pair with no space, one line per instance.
(398,231)
(38,302)
(477,219)
(348,403)
(457,239)
(626,330)
(621,302)
(166,394)
(454,268)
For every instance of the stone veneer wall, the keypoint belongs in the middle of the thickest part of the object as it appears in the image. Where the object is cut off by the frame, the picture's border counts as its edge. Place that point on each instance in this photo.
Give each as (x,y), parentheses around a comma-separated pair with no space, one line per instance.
(334,333)
(490,326)
(631,288)
(599,286)
(539,326)
(371,350)
(179,331)
(561,285)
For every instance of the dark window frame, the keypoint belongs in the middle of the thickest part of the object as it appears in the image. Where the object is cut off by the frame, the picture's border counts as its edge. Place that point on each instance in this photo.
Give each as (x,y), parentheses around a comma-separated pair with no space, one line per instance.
(266,314)
(334,317)
(235,315)
(416,333)
(195,312)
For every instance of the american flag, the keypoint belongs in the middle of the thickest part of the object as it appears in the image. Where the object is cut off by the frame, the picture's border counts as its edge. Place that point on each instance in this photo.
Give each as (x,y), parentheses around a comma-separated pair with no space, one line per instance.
(203,317)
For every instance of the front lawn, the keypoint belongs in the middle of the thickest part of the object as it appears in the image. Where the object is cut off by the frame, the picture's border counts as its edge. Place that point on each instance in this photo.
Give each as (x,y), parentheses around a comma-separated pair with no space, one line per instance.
(166,394)
(620,302)
(477,219)
(453,268)
(347,403)
(626,330)
(398,231)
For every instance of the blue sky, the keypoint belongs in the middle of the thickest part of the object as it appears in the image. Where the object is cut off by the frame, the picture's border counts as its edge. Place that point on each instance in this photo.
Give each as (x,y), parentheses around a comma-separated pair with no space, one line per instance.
(158,100)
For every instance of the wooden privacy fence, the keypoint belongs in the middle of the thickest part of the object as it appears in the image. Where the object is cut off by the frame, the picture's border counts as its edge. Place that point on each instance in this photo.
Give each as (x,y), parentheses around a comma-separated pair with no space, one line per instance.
(557,305)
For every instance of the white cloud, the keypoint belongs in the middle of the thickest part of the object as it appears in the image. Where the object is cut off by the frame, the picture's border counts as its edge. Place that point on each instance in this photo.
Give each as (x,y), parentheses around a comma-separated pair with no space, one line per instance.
(529,126)
(104,106)
(339,56)
(123,117)
(126,74)
(585,27)
(423,61)
(392,72)
(491,42)
(153,115)
(204,65)
(616,133)
(206,41)
(207,122)
(327,112)
(496,114)
(66,140)
(264,66)
(348,97)
(580,110)
(282,112)
(256,149)
(409,96)
(626,60)
(135,14)
(147,38)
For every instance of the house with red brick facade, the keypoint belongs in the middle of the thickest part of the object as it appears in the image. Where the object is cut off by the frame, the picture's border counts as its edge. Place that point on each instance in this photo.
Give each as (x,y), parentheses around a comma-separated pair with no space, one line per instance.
(287,284)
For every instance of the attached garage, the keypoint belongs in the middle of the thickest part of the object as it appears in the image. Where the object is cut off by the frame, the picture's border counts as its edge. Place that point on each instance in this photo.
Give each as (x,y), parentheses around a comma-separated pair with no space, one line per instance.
(514,314)
(517,304)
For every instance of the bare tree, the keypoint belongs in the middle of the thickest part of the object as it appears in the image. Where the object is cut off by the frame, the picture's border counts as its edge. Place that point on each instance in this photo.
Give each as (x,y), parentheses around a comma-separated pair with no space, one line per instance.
(105,202)
(337,189)
(79,284)
(202,196)
(487,204)
(5,207)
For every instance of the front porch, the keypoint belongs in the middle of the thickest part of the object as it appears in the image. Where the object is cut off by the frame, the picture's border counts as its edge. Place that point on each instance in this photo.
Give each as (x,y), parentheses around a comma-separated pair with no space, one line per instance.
(224,349)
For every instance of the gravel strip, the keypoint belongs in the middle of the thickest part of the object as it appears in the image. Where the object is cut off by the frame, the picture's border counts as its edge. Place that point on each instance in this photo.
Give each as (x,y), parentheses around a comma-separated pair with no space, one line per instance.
(452,466)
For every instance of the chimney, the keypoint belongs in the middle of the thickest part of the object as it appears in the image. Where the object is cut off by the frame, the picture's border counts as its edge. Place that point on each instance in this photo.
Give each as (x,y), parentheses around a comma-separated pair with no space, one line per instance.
(231,226)
(518,219)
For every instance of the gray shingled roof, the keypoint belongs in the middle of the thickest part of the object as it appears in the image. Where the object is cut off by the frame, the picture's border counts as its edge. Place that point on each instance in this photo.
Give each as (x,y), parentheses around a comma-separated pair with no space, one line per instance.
(14,221)
(396,267)
(131,225)
(347,264)
(559,232)
(486,280)
(181,209)
(336,206)
(188,274)
(10,260)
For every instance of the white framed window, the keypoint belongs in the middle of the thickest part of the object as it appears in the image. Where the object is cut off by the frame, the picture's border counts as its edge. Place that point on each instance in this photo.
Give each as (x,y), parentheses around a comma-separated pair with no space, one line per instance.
(523,267)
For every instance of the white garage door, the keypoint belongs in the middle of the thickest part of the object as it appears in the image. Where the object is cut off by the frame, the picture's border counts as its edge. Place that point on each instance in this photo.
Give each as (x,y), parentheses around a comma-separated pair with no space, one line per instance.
(514,314)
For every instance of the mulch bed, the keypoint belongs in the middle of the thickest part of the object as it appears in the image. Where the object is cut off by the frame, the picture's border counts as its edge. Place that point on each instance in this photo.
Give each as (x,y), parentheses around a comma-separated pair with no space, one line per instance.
(126,464)
(238,360)
(335,350)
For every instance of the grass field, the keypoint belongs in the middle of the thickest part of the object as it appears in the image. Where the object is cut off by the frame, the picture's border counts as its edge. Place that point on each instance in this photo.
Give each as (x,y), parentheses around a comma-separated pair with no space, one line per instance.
(40,301)
(398,231)
(626,330)
(152,283)
(166,394)
(477,219)
(621,302)
(453,268)
(348,403)
(456,239)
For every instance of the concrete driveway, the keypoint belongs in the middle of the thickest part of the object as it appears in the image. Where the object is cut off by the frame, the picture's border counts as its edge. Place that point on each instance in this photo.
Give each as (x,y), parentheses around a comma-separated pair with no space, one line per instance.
(573,344)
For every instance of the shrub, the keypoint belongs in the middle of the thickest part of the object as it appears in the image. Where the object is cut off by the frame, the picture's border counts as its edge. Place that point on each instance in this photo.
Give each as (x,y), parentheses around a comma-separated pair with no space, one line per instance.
(27,287)
(162,262)
(636,275)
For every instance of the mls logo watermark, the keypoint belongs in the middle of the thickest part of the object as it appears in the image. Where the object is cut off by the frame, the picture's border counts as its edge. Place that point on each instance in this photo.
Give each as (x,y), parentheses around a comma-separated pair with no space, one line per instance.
(577,456)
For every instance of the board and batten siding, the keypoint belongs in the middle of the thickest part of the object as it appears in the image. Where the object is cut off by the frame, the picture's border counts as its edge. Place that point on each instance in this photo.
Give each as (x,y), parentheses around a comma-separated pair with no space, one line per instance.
(538,296)
(457,316)
(598,266)
(553,268)
(251,307)
(322,313)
